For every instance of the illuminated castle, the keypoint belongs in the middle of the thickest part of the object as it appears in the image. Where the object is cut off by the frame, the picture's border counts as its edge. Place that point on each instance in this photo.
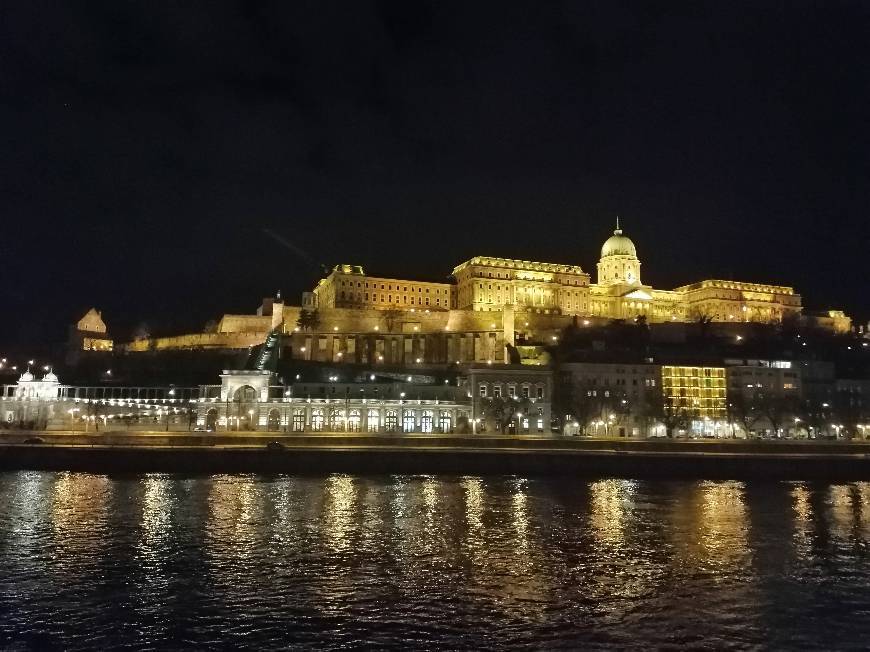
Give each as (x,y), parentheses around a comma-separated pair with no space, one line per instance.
(494,302)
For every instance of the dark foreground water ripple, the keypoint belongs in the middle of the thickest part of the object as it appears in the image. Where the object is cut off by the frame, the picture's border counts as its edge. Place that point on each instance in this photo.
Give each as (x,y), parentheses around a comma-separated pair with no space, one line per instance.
(164,561)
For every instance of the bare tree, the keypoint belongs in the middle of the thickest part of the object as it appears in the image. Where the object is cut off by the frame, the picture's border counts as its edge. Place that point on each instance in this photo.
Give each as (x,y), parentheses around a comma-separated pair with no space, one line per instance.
(141,332)
(776,409)
(743,410)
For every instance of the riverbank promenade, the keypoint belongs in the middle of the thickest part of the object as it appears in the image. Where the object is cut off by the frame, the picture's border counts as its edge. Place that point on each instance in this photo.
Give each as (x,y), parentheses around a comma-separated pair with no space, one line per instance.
(111,451)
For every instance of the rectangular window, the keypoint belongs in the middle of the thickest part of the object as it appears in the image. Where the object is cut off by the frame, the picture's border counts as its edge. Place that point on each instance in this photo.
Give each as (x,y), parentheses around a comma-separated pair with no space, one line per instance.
(540,392)
(496,391)
(525,392)
(483,391)
(512,391)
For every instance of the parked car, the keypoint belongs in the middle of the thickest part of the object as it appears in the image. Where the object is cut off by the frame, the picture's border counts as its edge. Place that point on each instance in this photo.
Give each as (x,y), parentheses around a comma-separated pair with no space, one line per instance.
(34,440)
(275,446)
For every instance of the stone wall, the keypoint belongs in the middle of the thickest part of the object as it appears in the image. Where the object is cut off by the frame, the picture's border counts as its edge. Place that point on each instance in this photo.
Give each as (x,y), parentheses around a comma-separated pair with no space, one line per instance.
(196,341)
(245,324)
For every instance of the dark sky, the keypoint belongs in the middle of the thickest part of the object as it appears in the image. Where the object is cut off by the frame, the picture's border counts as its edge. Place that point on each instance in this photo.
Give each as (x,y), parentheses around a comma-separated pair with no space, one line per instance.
(147,146)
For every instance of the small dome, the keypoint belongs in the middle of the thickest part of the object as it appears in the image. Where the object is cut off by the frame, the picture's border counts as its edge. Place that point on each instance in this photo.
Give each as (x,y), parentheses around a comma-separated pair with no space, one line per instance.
(50,377)
(26,377)
(618,245)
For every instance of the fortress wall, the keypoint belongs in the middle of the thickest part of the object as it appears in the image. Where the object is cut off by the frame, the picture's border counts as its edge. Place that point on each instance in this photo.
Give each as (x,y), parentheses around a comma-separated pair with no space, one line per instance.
(244,324)
(197,341)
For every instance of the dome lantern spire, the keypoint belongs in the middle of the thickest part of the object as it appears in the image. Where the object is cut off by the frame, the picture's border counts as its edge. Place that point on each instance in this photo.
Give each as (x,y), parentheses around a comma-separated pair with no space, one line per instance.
(617,231)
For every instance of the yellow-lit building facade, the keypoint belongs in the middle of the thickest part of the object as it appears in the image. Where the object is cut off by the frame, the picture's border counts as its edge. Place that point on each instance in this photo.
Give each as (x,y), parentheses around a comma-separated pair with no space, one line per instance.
(491,284)
(348,286)
(699,393)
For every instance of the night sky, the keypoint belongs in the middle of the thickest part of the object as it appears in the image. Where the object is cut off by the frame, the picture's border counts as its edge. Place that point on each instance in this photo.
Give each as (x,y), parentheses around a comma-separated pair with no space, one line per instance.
(155,154)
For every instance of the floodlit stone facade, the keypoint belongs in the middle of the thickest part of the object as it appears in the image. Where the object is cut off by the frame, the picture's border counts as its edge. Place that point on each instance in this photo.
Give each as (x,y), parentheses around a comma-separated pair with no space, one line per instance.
(489,284)
(494,302)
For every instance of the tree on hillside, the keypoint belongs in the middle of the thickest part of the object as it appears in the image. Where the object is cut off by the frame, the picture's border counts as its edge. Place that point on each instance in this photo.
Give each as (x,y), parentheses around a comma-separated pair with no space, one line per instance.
(141,332)
(391,317)
(308,320)
(702,321)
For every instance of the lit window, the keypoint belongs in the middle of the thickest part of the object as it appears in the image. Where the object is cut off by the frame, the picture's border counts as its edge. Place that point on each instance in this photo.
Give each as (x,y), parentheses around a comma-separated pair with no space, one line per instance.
(483,390)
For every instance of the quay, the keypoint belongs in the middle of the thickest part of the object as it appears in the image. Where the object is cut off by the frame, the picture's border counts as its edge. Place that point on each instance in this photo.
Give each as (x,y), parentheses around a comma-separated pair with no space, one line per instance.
(246,452)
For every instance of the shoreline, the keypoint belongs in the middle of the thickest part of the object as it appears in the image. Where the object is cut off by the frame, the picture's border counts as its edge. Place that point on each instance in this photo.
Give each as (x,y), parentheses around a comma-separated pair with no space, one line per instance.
(111,452)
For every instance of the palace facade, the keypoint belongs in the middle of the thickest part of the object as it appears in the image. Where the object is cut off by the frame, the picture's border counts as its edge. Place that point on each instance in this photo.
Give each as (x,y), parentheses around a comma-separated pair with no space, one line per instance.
(492,304)
(490,284)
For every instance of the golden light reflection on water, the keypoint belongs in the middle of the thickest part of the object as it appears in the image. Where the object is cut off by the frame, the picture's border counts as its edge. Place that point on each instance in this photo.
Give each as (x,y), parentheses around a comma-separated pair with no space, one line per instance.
(723,524)
(232,528)
(849,510)
(79,510)
(27,506)
(339,512)
(474,534)
(156,510)
(803,517)
(520,522)
(607,515)
(283,527)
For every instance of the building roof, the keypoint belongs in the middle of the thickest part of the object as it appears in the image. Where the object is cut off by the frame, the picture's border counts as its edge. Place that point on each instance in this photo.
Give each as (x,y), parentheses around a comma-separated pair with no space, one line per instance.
(618,244)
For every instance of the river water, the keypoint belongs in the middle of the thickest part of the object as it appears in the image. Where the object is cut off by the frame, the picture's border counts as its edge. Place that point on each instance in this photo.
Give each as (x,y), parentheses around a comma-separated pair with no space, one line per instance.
(406,562)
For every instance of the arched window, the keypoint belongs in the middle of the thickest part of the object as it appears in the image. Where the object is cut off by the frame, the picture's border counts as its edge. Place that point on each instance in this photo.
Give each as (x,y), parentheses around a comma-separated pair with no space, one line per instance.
(373,421)
(336,419)
(426,421)
(391,421)
(444,421)
(298,420)
(317,419)
(354,420)
(408,421)
(274,420)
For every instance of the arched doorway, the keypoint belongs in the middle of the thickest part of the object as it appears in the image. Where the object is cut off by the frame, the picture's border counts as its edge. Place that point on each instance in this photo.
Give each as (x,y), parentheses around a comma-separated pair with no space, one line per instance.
(245,408)
(274,419)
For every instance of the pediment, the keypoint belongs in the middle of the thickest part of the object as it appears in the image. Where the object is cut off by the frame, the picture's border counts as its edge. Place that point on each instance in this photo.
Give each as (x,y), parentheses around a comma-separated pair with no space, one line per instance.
(638,294)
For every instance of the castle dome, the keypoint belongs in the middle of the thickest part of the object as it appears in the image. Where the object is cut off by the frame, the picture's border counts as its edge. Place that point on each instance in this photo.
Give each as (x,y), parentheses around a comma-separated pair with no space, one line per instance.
(26,377)
(50,377)
(618,244)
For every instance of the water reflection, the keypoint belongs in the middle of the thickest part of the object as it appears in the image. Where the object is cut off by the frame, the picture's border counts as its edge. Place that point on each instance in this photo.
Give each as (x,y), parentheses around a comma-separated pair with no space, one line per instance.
(609,501)
(79,510)
(803,518)
(339,512)
(430,561)
(724,525)
(473,542)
